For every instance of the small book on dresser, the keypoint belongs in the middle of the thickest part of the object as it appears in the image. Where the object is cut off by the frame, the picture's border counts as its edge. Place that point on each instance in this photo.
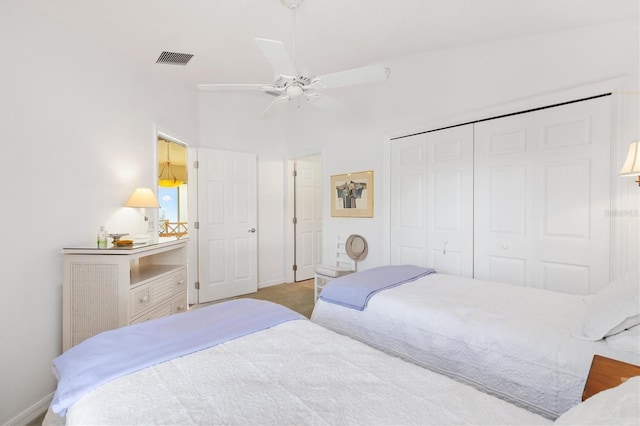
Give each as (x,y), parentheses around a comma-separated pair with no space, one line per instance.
(606,373)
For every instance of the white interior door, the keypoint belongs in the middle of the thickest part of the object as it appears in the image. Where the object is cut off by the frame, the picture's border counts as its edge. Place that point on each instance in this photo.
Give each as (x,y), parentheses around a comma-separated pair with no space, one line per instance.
(542,187)
(308,216)
(227,216)
(432,200)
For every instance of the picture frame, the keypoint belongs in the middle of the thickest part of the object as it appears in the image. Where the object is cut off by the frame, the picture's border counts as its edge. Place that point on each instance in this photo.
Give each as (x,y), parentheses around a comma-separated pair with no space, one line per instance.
(352,194)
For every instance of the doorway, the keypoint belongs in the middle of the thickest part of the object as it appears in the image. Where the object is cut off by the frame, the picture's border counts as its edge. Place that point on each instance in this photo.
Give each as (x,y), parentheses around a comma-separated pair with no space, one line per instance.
(173,182)
(307,216)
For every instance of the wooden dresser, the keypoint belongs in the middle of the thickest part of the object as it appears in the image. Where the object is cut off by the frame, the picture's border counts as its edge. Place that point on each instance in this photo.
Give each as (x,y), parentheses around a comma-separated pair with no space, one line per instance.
(109,288)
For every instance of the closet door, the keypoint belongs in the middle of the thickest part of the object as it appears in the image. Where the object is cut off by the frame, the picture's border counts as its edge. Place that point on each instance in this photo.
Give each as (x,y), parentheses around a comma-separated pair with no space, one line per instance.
(432,200)
(542,189)
(408,243)
(450,200)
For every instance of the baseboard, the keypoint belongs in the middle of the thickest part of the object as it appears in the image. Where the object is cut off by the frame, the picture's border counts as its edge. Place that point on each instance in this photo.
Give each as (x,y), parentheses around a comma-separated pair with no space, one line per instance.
(269,283)
(32,413)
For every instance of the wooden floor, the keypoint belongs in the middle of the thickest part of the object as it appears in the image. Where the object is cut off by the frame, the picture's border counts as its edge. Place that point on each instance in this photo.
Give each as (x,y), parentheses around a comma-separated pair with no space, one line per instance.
(295,296)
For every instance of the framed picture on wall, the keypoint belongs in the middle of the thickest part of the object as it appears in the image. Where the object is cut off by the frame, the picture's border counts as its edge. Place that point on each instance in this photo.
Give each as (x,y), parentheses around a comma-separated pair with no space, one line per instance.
(352,195)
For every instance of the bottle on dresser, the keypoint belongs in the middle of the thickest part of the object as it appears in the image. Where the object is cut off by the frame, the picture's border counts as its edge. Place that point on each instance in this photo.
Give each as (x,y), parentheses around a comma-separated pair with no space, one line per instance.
(102,238)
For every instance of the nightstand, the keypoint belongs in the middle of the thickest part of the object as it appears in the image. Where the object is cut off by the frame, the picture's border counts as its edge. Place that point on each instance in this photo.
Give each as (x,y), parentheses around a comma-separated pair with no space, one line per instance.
(606,373)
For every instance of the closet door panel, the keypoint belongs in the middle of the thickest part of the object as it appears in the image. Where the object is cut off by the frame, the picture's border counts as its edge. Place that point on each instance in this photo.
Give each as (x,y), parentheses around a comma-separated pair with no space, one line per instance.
(431,200)
(502,203)
(507,201)
(560,192)
(573,244)
(508,268)
(450,201)
(408,201)
(542,187)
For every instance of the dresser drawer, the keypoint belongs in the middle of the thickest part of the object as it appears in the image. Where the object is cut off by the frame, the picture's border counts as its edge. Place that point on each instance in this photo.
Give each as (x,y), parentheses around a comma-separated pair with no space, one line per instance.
(150,295)
(175,305)
(179,304)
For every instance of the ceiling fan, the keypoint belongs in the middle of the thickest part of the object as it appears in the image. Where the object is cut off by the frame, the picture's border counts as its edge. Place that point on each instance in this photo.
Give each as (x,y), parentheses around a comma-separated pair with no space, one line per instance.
(289,84)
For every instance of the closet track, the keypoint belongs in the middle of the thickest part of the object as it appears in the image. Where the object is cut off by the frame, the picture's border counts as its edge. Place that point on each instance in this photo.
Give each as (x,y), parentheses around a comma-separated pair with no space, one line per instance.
(504,115)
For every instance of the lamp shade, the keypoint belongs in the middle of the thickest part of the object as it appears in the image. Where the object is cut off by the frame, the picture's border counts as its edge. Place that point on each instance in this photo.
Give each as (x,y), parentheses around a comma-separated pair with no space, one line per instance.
(631,165)
(142,197)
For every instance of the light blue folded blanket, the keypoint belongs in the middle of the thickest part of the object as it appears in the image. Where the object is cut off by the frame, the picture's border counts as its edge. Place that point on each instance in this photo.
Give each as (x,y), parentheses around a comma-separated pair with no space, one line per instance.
(115,353)
(354,290)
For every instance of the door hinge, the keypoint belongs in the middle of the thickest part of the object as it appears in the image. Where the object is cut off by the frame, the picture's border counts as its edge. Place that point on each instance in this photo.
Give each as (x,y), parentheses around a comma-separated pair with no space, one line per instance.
(295,173)
(295,220)
(295,268)
(196,164)
(196,225)
(197,285)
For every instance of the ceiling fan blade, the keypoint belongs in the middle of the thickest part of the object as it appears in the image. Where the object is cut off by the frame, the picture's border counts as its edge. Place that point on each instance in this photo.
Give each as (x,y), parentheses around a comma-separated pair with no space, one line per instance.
(276,106)
(369,74)
(220,87)
(278,56)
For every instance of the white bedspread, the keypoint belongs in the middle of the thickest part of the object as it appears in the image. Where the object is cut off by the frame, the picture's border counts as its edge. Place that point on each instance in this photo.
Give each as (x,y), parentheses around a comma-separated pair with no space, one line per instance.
(511,341)
(295,373)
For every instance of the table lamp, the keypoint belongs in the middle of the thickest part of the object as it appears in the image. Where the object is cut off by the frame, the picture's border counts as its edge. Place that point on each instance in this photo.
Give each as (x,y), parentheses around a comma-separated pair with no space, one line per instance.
(143,198)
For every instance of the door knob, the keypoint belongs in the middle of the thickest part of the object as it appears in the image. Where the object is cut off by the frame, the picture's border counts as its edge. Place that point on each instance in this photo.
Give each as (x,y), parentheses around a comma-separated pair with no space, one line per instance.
(252,230)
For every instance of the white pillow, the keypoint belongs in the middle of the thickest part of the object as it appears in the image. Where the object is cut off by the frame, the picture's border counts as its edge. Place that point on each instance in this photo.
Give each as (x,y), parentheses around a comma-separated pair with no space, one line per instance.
(627,341)
(613,309)
(616,406)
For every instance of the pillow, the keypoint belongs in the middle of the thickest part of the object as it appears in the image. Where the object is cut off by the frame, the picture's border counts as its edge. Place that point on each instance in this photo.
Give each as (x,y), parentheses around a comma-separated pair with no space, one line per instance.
(625,325)
(627,341)
(615,406)
(613,309)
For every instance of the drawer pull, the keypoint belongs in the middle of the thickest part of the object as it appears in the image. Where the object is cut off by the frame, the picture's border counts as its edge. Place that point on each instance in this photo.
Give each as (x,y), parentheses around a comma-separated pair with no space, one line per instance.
(180,282)
(180,308)
(144,299)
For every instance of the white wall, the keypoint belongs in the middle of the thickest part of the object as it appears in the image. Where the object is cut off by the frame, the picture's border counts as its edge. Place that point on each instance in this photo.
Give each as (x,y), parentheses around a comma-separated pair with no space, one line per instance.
(451,86)
(77,138)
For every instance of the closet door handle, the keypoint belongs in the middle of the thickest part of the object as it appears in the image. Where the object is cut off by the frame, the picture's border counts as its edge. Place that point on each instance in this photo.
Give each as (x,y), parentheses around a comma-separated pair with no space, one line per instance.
(252,230)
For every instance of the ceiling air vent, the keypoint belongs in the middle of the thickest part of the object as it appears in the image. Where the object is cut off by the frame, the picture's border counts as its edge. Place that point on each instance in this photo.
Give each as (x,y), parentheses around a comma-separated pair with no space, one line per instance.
(174,58)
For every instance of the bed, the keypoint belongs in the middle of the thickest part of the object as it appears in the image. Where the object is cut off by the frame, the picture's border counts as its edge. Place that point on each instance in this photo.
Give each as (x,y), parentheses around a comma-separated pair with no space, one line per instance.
(529,346)
(288,371)
(255,362)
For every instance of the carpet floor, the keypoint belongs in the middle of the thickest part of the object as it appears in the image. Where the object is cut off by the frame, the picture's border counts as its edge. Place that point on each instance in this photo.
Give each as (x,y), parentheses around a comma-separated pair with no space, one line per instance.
(295,296)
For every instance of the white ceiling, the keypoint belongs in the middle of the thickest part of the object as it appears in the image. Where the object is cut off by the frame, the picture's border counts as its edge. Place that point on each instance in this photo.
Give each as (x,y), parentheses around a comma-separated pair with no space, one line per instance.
(332,35)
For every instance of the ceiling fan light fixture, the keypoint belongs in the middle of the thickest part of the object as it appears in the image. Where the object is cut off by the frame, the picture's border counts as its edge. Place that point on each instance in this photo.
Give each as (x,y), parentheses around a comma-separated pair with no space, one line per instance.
(294,91)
